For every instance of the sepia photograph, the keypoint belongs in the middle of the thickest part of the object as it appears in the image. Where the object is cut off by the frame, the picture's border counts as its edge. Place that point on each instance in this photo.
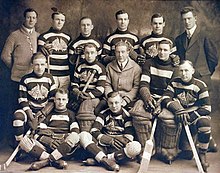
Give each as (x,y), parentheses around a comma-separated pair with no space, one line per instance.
(128,86)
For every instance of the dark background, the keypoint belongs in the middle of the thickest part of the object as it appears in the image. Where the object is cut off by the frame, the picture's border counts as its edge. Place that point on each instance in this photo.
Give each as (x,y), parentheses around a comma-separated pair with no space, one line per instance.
(102,13)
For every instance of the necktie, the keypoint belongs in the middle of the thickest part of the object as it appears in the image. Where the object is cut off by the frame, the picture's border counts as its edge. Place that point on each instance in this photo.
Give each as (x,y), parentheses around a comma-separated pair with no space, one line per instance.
(121,66)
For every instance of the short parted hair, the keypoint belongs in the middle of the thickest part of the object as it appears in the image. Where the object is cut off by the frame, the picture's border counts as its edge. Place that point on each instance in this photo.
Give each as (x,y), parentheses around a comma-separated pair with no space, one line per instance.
(62,91)
(90,45)
(124,43)
(166,41)
(28,10)
(157,15)
(56,12)
(85,17)
(37,55)
(113,94)
(183,62)
(120,12)
(188,9)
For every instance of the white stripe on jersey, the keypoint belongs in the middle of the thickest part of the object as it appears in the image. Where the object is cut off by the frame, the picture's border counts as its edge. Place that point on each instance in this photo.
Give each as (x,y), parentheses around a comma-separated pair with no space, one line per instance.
(122,36)
(59,56)
(51,34)
(22,100)
(22,88)
(100,88)
(204,94)
(152,39)
(40,105)
(100,120)
(59,117)
(59,67)
(95,67)
(128,124)
(85,42)
(191,87)
(102,77)
(145,78)
(105,46)
(161,73)
(38,80)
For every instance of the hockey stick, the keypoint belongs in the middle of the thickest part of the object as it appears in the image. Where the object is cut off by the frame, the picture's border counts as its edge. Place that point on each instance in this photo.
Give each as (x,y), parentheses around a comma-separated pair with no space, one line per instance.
(89,80)
(147,151)
(195,154)
(5,165)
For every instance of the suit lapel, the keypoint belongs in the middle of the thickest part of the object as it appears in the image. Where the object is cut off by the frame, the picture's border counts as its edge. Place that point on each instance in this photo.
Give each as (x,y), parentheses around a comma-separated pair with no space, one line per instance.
(194,37)
(184,40)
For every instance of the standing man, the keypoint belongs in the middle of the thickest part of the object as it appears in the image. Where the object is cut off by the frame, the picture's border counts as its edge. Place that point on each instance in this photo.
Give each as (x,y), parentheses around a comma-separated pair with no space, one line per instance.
(121,33)
(77,46)
(195,45)
(149,43)
(16,54)
(54,44)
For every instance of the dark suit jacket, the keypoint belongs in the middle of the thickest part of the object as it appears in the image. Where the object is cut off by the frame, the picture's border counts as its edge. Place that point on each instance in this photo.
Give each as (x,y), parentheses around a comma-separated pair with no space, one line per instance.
(200,50)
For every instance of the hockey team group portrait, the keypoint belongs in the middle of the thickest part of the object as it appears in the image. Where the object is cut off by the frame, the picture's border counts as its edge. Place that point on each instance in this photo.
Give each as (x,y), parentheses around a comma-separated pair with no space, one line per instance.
(128,86)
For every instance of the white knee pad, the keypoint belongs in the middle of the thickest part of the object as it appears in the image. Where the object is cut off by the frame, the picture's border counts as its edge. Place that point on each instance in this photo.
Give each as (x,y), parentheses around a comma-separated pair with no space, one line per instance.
(72,139)
(85,139)
(132,149)
(27,144)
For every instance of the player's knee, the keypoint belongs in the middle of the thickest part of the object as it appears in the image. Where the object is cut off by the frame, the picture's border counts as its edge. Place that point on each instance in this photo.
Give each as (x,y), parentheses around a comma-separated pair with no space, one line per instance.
(132,149)
(85,139)
(203,124)
(72,139)
(19,118)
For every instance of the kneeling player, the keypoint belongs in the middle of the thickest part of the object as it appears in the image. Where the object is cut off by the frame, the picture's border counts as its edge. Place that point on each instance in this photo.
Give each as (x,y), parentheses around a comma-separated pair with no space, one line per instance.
(113,131)
(56,137)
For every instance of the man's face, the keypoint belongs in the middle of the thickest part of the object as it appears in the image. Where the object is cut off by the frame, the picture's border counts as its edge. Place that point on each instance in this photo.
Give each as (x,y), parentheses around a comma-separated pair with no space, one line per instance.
(30,20)
(189,20)
(90,54)
(121,53)
(61,101)
(115,103)
(163,51)
(122,22)
(186,72)
(58,21)
(158,25)
(39,66)
(86,27)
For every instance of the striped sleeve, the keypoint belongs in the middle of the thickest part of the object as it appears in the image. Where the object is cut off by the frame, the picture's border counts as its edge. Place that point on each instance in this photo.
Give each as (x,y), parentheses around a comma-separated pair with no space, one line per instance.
(23,95)
(127,123)
(74,126)
(98,125)
(145,76)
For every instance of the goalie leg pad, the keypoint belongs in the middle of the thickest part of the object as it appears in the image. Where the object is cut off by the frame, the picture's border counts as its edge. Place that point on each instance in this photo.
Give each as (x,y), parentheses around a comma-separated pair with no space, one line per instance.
(167,138)
(85,139)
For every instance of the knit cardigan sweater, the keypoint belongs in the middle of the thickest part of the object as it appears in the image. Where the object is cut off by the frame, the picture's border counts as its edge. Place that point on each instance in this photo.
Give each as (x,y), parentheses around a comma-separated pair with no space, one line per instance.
(18,50)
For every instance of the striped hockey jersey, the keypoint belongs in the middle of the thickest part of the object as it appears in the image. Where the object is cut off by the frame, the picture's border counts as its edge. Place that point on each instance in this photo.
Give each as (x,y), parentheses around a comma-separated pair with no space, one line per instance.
(35,92)
(58,60)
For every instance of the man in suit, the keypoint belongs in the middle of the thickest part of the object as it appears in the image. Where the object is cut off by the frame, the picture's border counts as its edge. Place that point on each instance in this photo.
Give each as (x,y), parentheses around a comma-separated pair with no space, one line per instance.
(195,45)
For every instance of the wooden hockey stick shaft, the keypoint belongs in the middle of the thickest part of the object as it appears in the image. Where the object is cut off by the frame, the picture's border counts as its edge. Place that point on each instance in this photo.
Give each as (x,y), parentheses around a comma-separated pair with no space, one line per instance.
(147,151)
(89,80)
(196,156)
(5,165)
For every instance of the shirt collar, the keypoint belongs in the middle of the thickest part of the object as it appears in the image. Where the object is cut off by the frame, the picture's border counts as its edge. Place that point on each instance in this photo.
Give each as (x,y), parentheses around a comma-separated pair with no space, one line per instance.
(191,31)
(123,63)
(28,30)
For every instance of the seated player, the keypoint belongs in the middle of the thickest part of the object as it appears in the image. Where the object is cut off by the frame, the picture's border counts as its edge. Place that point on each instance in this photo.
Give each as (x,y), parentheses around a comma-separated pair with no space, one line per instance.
(187,98)
(113,131)
(83,100)
(56,136)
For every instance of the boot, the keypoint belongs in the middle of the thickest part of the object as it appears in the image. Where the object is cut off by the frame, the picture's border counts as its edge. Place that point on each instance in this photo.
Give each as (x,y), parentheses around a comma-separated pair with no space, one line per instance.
(59,164)
(205,164)
(212,146)
(39,164)
(109,164)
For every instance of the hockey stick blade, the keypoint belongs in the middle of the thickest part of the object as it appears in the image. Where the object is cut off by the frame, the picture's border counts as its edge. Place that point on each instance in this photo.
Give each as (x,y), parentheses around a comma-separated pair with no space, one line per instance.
(147,151)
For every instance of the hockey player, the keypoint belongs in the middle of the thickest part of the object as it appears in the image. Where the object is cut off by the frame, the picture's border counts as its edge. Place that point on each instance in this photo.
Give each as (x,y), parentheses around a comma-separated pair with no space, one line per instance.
(113,131)
(56,136)
(76,48)
(156,74)
(36,94)
(192,106)
(54,44)
(121,33)
(85,101)
(149,44)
